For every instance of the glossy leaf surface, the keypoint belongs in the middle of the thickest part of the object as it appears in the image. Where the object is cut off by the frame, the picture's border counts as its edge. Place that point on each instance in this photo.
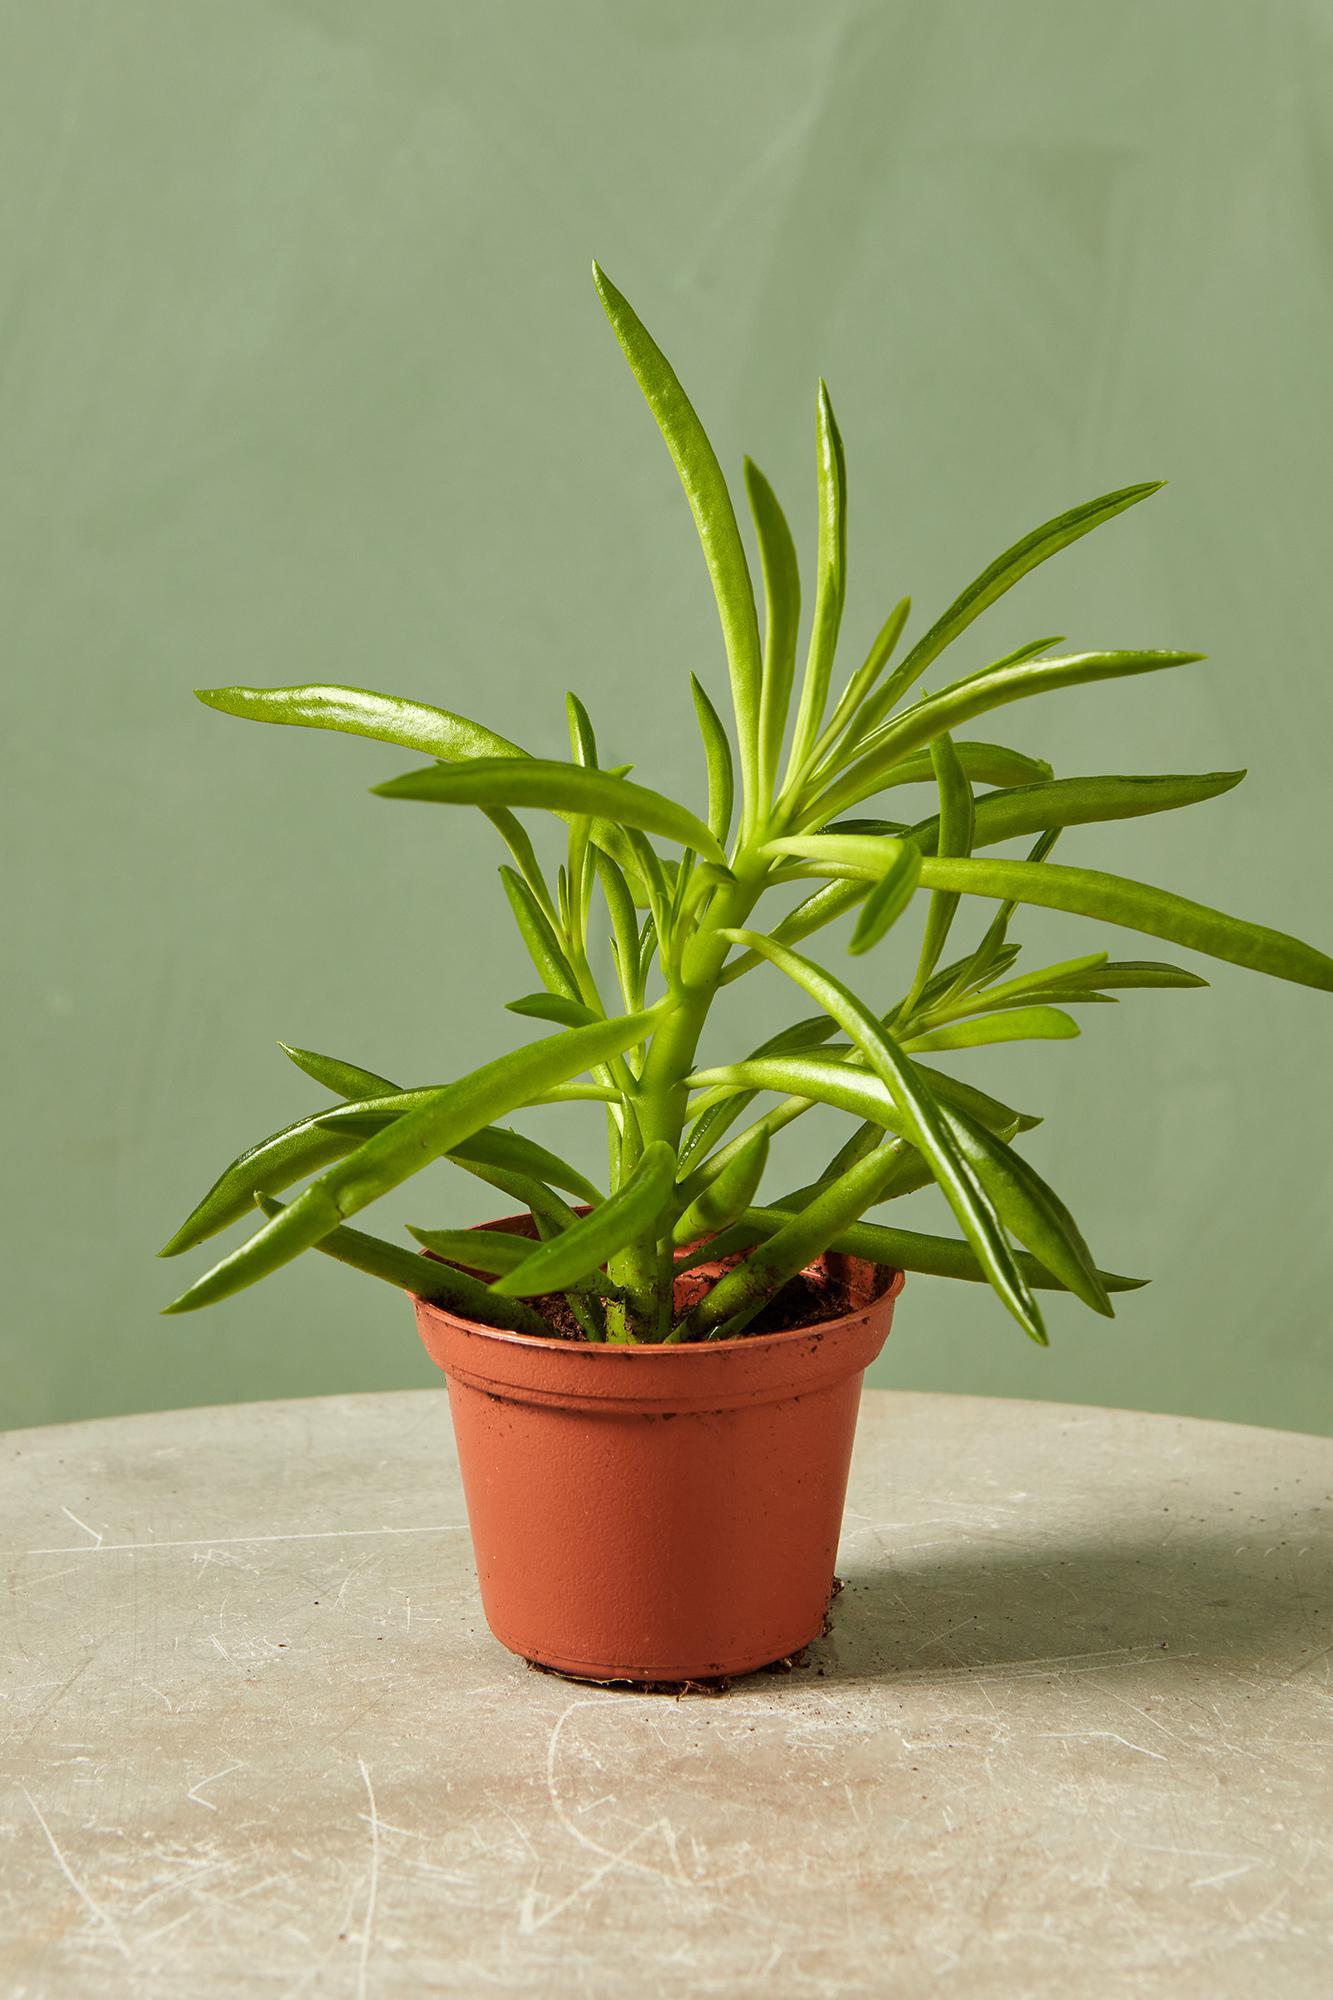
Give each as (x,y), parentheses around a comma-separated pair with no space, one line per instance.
(565,788)
(382,1162)
(1086,892)
(782,618)
(710,503)
(423,1277)
(926,1126)
(587,1244)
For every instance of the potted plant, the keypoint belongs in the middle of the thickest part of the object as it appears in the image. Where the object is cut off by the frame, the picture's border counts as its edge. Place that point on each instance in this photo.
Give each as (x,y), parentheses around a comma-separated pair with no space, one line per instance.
(654,1384)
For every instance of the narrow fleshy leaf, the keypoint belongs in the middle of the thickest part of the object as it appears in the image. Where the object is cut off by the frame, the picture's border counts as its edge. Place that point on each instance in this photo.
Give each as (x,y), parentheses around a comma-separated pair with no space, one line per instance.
(830,585)
(1027,809)
(447,1118)
(1032,1212)
(726,1195)
(274,1163)
(582,736)
(552,1007)
(493,1251)
(413,725)
(1017,1024)
(423,1277)
(714,517)
(857,1091)
(740,1293)
(1007,569)
(926,1126)
(954,830)
(1130,972)
(1137,906)
(587,1244)
(717,758)
(984,764)
(538,934)
(517,839)
(782,618)
(833,900)
(883,752)
(910,1250)
(344,1079)
(888,899)
(989,1111)
(849,713)
(566,788)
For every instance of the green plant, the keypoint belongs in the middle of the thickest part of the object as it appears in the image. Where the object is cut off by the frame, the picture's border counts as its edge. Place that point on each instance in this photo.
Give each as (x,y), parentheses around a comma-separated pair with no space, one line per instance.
(678,1170)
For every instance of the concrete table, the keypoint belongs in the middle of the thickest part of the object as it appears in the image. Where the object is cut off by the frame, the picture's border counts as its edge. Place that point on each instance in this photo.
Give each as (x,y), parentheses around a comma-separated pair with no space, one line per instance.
(1072,1733)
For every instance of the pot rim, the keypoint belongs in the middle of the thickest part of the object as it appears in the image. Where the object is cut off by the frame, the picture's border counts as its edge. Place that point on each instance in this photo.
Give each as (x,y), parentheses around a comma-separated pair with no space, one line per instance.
(751,1342)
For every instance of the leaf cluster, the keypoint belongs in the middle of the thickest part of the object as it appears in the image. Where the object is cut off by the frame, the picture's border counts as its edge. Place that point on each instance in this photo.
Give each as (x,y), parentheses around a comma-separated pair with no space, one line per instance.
(677,893)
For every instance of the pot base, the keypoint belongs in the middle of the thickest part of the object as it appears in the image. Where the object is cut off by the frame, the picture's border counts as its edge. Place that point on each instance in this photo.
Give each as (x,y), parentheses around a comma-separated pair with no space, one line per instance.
(675,1675)
(676,1682)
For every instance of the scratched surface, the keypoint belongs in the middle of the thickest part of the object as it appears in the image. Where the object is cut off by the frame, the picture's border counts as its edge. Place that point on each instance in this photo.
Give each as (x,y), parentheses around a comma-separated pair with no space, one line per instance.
(1072,1732)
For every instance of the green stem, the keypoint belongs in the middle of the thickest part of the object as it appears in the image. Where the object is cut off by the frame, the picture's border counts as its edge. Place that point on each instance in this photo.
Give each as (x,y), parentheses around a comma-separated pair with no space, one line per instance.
(645,1269)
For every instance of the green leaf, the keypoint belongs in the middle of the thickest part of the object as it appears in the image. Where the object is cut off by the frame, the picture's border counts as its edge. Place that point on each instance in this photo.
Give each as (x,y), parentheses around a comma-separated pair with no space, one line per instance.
(582,737)
(728,1194)
(344,1079)
(830,586)
(714,517)
(514,1152)
(493,1251)
(1086,892)
(552,1007)
(925,1123)
(449,1116)
(586,1245)
(421,1276)
(954,829)
(833,900)
(1018,1024)
(989,1111)
(888,899)
(782,618)
(1007,569)
(413,725)
(565,788)
(515,836)
(909,1250)
(1032,1212)
(490,1250)
(286,1156)
(958,704)
(1130,972)
(1080,802)
(717,757)
(624,925)
(538,934)
(740,1293)
(962,973)
(847,1088)
(984,764)
(846,715)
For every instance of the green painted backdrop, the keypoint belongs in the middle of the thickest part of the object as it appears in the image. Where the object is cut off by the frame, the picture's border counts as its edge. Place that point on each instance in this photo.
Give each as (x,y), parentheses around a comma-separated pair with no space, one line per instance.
(303,378)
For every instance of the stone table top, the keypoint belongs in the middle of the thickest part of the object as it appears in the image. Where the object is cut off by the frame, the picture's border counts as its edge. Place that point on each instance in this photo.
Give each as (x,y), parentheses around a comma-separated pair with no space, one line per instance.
(1071,1733)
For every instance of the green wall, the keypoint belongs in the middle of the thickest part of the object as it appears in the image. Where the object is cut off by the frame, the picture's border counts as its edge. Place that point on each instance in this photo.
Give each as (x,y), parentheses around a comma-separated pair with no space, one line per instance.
(303,378)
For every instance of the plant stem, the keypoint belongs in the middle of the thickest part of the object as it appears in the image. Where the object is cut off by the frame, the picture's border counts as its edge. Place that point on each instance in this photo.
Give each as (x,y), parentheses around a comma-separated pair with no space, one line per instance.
(645,1269)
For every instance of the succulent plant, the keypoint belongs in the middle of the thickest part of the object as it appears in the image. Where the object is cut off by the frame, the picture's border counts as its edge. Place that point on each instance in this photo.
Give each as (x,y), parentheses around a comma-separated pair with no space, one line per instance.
(688,1144)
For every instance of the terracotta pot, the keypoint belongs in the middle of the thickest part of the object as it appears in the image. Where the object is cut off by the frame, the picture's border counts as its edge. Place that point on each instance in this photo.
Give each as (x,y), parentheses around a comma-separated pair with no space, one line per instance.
(659,1513)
